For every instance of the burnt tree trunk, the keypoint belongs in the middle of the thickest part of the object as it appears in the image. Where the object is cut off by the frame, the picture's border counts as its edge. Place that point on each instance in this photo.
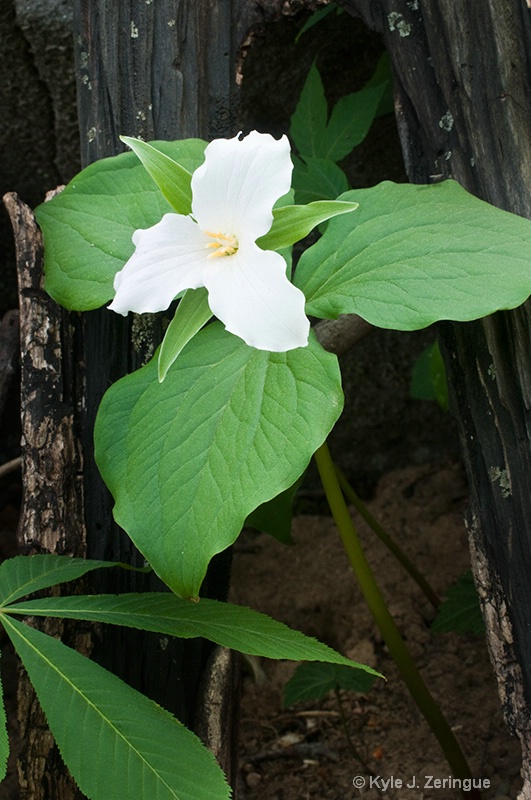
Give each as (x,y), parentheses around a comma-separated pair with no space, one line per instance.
(158,70)
(463,104)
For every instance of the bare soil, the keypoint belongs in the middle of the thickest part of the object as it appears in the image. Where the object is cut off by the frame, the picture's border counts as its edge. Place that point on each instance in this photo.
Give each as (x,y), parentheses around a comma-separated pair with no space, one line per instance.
(303,752)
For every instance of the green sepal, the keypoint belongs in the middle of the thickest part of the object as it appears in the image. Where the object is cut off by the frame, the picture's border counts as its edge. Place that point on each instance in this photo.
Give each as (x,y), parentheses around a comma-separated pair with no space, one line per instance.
(292,223)
(173,180)
(192,313)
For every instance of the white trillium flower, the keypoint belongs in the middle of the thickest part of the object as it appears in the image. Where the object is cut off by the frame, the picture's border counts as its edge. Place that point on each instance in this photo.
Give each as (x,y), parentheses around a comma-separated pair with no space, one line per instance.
(233,193)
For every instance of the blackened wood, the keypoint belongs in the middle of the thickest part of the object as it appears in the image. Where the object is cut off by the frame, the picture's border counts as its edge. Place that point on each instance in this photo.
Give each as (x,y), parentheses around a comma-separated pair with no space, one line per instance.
(51,518)
(161,70)
(463,104)
(9,350)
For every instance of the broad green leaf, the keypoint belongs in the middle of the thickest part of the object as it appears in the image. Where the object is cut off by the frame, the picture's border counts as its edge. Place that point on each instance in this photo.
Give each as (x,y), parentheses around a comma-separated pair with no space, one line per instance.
(4,739)
(412,255)
(87,228)
(293,223)
(317,179)
(172,179)
(275,516)
(350,120)
(460,610)
(192,313)
(225,624)
(314,681)
(23,575)
(115,742)
(188,459)
(308,123)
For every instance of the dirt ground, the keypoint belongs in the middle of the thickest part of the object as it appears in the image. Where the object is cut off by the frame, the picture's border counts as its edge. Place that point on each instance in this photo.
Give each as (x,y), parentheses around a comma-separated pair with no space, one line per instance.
(302,752)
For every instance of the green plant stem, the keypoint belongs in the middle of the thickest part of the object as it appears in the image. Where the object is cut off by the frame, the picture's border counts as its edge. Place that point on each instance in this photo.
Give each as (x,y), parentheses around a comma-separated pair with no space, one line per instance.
(374,599)
(391,545)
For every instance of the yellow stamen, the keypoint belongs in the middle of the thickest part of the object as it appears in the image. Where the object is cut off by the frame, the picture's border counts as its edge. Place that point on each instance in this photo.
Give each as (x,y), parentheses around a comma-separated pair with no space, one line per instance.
(226,244)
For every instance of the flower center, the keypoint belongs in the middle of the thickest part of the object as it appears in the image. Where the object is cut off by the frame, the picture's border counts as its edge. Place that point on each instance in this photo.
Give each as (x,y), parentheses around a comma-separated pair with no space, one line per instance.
(225,244)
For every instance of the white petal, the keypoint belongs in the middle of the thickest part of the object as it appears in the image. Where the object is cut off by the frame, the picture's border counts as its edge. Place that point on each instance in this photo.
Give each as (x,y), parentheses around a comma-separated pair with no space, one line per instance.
(250,293)
(169,257)
(234,190)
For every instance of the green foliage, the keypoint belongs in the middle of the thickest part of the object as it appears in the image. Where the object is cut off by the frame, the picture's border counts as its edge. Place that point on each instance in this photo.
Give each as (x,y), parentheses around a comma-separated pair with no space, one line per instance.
(189,459)
(428,381)
(173,180)
(317,179)
(115,742)
(228,625)
(21,576)
(314,681)
(275,516)
(127,740)
(192,452)
(87,229)
(192,313)
(412,255)
(316,135)
(292,223)
(460,610)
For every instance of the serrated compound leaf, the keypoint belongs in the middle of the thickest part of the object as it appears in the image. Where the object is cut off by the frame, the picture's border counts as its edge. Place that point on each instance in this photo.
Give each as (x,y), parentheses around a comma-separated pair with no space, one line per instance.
(226,624)
(188,459)
(308,123)
(88,227)
(317,179)
(313,681)
(460,610)
(412,255)
(115,742)
(349,123)
(292,223)
(23,575)
(4,739)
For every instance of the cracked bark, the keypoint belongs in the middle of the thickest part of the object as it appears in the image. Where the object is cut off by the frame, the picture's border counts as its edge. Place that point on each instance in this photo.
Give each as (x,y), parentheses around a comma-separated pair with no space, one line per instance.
(51,516)
(463,104)
(164,70)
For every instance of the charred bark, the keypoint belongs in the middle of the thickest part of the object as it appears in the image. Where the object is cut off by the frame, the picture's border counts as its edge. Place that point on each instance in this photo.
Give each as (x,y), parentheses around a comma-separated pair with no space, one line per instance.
(463,104)
(51,518)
